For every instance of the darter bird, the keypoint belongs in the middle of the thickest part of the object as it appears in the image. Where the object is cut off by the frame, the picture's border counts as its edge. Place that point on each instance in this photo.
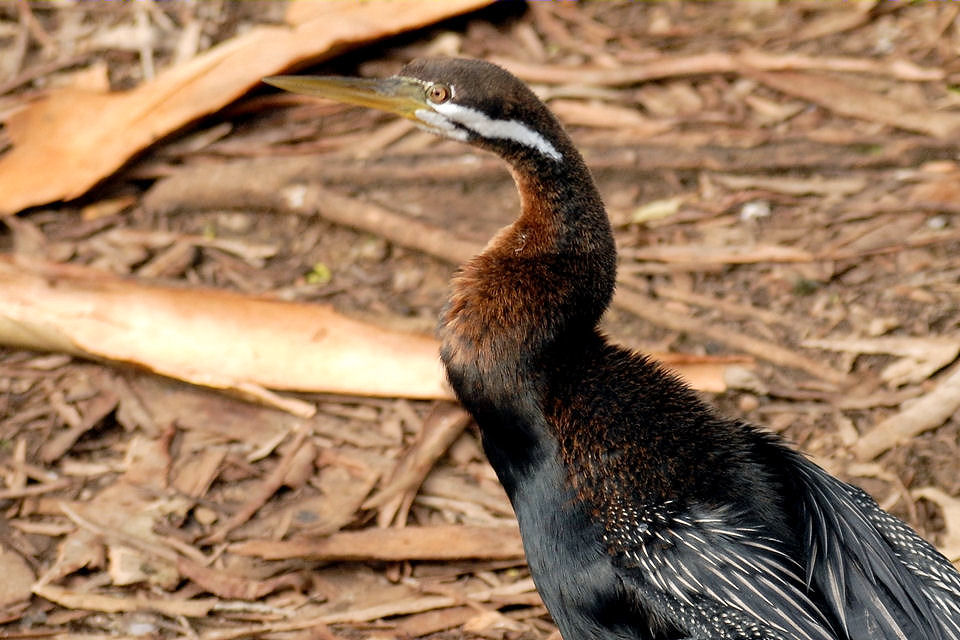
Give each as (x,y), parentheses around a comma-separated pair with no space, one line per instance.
(645,514)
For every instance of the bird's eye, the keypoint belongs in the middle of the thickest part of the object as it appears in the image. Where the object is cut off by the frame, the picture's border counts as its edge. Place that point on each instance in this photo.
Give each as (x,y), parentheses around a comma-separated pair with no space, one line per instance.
(439,93)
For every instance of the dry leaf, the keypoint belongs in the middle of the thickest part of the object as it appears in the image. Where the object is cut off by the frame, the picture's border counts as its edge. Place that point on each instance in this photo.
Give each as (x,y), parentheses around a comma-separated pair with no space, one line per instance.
(428,622)
(344,489)
(938,191)
(221,339)
(211,338)
(205,418)
(128,514)
(70,140)
(301,467)
(440,429)
(17,578)
(95,409)
(657,210)
(770,112)
(81,549)
(832,22)
(263,490)
(195,471)
(147,462)
(520,592)
(492,624)
(107,208)
(703,376)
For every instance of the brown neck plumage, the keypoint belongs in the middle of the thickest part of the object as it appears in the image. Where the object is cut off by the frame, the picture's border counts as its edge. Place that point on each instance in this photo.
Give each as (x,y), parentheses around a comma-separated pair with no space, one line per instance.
(550,272)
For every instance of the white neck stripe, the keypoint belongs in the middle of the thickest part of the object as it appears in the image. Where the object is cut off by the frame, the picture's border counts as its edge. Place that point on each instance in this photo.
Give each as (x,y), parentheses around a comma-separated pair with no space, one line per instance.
(487,127)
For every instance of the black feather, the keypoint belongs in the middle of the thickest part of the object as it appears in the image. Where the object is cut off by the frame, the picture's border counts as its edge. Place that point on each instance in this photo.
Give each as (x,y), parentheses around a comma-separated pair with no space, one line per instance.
(877,574)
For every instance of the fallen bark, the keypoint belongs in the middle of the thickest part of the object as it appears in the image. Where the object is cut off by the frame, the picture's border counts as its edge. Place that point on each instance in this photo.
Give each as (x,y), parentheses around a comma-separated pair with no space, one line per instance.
(209,337)
(451,542)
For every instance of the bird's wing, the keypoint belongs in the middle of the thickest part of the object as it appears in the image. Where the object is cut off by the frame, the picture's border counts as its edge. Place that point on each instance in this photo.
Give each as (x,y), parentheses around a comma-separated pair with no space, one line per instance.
(879,578)
(713,579)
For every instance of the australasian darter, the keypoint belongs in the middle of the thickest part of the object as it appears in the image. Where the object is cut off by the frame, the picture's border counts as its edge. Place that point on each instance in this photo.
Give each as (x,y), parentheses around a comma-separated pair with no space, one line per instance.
(644,513)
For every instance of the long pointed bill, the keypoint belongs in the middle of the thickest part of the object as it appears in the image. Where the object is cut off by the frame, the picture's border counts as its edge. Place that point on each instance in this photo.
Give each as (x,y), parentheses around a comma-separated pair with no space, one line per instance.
(401,96)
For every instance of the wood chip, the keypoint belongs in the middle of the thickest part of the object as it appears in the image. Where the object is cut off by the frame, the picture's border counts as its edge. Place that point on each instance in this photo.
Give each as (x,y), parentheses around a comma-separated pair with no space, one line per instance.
(343,489)
(127,566)
(266,488)
(427,603)
(429,622)
(80,549)
(225,584)
(195,471)
(95,410)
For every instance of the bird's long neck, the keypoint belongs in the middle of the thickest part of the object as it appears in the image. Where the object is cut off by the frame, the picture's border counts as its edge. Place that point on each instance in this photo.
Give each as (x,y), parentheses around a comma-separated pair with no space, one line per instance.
(542,281)
(561,207)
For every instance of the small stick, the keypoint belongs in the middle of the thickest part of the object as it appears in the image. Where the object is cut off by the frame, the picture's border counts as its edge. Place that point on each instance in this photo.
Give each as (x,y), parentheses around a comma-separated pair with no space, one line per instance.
(267,488)
(440,429)
(710,63)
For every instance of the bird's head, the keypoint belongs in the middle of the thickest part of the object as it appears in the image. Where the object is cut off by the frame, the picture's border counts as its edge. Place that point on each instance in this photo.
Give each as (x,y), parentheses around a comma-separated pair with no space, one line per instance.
(469,100)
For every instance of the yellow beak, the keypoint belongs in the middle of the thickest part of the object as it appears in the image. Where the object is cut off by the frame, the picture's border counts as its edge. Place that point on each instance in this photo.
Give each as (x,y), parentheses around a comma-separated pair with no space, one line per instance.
(401,96)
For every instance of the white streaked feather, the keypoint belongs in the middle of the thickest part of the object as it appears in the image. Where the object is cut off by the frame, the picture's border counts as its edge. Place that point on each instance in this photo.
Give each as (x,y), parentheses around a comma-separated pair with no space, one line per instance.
(769,549)
(837,596)
(851,540)
(707,563)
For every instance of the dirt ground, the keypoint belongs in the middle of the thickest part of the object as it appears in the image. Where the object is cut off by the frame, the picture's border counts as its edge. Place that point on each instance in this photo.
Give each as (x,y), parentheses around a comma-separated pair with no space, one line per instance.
(784,181)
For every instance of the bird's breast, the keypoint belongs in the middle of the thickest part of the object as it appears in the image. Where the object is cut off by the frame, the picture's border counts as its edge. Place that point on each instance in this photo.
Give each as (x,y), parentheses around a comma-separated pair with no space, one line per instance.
(491,324)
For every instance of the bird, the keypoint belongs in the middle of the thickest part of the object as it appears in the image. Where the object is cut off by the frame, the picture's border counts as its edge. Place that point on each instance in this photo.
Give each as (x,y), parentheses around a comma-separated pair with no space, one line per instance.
(644,512)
